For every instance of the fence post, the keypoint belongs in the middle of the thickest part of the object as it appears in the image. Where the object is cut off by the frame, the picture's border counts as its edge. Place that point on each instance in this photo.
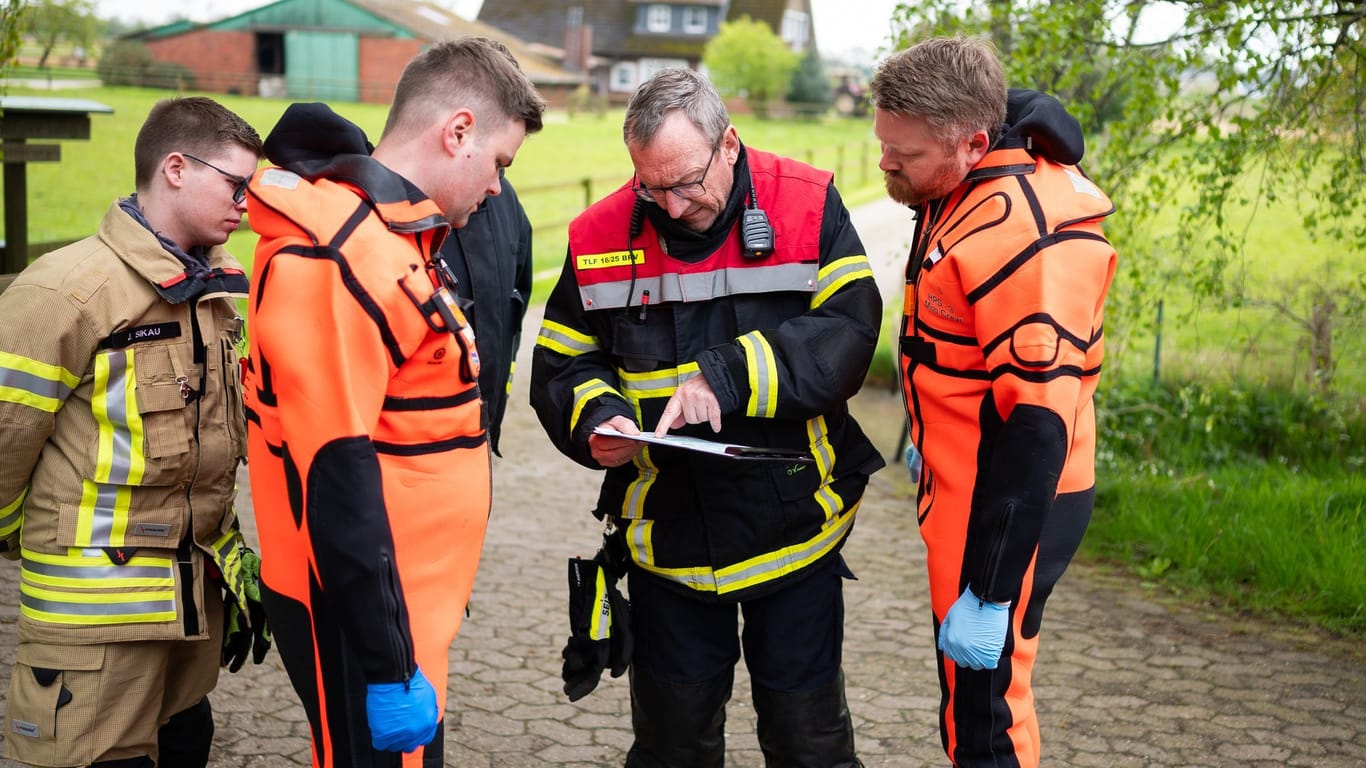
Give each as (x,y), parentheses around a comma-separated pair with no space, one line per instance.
(1157,346)
(587,191)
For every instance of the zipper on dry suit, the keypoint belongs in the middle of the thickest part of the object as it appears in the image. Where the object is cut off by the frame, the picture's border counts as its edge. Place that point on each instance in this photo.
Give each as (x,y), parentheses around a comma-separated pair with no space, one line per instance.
(394,603)
(910,400)
(995,553)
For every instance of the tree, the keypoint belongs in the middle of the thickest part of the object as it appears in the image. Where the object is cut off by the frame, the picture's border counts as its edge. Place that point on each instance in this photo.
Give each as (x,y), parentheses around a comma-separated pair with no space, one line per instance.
(810,90)
(57,21)
(747,59)
(12,22)
(1236,95)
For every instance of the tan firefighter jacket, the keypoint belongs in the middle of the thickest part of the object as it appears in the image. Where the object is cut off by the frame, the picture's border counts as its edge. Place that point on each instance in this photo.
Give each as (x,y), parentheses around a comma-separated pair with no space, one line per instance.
(121,428)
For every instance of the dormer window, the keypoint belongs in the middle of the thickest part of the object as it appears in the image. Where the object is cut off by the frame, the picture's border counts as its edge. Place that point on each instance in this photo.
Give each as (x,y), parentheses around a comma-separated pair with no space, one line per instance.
(695,20)
(796,29)
(658,18)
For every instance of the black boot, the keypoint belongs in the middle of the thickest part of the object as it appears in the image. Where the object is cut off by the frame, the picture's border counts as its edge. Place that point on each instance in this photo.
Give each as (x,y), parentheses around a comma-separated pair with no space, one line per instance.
(806,730)
(678,725)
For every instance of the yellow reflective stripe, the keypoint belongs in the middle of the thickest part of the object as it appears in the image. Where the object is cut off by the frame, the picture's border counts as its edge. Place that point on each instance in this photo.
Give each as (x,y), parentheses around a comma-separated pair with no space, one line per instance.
(560,338)
(227,555)
(749,573)
(82,571)
(763,376)
(12,514)
(660,383)
(818,435)
(33,383)
(102,518)
(91,608)
(599,627)
(839,273)
(512,371)
(633,501)
(114,403)
(584,393)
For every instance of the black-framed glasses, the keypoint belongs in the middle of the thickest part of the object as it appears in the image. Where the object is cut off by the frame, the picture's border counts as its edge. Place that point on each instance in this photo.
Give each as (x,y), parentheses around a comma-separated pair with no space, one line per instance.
(687,191)
(239,192)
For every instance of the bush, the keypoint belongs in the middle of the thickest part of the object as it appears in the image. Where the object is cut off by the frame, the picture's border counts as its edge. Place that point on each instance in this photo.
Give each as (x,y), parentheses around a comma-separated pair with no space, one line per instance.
(1193,425)
(128,62)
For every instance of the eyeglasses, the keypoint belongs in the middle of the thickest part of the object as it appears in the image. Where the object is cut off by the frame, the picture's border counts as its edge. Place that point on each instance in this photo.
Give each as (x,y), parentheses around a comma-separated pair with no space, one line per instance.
(239,192)
(687,191)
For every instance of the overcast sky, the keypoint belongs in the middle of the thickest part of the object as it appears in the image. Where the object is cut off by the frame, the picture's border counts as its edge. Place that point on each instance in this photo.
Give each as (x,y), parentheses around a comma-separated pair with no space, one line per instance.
(839,28)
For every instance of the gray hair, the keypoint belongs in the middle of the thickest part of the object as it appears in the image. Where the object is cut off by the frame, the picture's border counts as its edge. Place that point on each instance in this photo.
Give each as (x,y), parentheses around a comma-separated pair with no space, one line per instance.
(669,90)
(955,84)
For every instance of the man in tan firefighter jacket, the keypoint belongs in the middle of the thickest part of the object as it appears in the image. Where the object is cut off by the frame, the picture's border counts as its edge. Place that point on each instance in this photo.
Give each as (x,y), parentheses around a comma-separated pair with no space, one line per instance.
(121,428)
(722,292)
(1001,347)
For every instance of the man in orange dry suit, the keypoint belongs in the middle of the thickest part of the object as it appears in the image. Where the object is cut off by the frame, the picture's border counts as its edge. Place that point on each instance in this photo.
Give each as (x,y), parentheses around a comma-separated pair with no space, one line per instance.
(722,292)
(1001,348)
(121,431)
(369,456)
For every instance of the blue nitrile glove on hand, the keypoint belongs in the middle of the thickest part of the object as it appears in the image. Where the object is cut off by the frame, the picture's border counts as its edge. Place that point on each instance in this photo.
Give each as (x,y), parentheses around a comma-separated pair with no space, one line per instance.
(402,716)
(973,633)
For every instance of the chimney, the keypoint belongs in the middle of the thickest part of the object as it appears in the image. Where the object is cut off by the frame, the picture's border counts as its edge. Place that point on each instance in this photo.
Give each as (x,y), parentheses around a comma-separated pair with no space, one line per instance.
(578,40)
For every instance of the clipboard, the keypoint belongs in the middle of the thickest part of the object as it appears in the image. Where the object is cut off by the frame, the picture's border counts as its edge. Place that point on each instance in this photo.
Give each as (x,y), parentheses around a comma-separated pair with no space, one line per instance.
(713,447)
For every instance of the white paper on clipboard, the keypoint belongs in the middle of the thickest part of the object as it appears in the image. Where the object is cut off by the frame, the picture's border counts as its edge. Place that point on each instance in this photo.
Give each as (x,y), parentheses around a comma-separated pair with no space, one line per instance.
(728,450)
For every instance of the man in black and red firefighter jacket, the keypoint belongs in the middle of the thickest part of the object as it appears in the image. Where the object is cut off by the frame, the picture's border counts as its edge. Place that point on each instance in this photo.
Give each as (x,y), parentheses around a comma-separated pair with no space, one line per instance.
(721,293)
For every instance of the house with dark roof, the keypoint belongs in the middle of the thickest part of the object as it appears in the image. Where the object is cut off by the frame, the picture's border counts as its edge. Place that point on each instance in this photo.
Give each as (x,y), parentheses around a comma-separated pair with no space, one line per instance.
(330,50)
(620,43)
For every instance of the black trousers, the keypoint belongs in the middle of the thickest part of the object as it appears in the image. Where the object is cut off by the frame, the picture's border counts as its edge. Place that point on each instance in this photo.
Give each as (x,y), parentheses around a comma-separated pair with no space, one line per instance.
(792,639)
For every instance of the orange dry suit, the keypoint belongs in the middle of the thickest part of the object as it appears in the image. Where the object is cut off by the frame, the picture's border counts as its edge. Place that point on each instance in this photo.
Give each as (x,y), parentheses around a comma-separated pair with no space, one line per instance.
(1000,352)
(784,340)
(368,455)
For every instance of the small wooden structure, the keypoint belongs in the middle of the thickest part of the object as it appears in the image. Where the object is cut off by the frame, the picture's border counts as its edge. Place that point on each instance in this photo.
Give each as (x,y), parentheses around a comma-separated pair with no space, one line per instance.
(24,118)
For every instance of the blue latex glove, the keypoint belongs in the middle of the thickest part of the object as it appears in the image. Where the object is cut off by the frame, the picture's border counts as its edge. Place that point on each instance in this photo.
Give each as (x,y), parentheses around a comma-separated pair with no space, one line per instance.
(402,716)
(973,633)
(913,462)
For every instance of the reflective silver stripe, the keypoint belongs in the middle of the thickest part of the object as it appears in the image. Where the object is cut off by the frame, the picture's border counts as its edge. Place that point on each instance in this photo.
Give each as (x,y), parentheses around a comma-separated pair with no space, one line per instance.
(584,394)
(131,608)
(116,439)
(703,286)
(29,382)
(839,273)
(757,570)
(661,383)
(97,572)
(12,514)
(563,339)
(101,504)
(818,435)
(762,367)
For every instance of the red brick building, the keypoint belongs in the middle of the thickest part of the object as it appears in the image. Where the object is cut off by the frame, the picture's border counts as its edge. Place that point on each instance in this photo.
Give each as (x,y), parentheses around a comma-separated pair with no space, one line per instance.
(329,50)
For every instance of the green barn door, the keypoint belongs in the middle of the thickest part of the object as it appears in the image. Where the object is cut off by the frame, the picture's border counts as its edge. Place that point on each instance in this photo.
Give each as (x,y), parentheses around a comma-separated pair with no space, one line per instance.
(322,66)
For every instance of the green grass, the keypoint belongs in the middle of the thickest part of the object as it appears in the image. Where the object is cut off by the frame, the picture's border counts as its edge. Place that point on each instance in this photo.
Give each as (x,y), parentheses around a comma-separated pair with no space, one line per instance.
(1274,541)
(1251,497)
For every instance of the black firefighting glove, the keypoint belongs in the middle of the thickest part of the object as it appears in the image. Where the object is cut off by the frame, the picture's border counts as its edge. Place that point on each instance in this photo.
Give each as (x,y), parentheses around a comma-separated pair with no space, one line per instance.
(244,619)
(599,625)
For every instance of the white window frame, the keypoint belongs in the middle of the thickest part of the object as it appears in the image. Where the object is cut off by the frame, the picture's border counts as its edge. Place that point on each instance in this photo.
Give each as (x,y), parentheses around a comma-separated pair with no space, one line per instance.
(796,29)
(695,19)
(650,66)
(624,77)
(659,18)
